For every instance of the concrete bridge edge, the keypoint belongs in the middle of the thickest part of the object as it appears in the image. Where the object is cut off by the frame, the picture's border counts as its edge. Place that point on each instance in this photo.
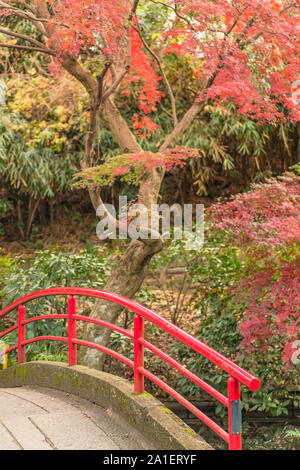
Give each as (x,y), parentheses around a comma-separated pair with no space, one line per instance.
(143,412)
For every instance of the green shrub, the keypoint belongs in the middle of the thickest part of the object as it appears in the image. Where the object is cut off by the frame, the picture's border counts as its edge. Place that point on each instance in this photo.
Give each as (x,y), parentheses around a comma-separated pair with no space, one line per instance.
(53,269)
(6,267)
(5,206)
(221,268)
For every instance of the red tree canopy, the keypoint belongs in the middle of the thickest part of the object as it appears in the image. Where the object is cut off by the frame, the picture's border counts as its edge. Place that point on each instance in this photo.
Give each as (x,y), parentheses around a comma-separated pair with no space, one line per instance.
(269,215)
(266,222)
(245,51)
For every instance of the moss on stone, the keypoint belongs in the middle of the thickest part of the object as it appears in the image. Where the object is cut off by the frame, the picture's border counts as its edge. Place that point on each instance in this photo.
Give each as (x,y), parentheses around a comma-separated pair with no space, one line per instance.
(142,411)
(22,372)
(142,395)
(166,410)
(59,378)
(190,431)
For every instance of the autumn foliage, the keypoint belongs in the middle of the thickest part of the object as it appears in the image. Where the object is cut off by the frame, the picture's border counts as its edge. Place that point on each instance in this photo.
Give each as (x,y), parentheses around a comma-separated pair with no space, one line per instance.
(265,223)
(268,215)
(245,52)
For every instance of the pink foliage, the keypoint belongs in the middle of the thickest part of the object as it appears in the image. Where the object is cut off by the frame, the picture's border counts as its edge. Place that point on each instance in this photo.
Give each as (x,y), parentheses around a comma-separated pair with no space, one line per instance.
(268,215)
(266,222)
(274,315)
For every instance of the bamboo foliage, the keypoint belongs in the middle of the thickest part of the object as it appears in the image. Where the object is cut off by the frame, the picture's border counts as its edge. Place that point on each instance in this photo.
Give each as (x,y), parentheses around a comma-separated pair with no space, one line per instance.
(30,174)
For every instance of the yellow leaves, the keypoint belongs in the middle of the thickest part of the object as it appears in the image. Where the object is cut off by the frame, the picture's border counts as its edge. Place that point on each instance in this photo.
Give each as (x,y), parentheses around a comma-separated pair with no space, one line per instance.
(180,38)
(48,106)
(59,110)
(80,107)
(62,113)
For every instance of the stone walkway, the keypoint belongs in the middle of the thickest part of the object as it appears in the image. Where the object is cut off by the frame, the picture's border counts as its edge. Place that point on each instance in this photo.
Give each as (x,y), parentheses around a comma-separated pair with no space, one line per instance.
(44,419)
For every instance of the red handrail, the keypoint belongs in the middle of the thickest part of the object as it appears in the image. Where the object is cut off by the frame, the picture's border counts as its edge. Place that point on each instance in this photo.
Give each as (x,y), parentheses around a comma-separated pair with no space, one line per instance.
(237,375)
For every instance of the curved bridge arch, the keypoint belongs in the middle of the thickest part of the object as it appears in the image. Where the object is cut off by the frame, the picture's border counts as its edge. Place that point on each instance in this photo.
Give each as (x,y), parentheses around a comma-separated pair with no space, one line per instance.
(141,414)
(237,375)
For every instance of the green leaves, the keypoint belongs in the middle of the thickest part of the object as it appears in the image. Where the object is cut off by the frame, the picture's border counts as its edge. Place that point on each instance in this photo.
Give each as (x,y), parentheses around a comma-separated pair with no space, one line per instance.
(221,298)
(6,267)
(34,171)
(49,269)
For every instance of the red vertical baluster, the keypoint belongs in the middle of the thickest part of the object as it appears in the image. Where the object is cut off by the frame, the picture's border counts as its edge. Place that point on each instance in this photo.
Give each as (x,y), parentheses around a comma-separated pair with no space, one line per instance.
(72,330)
(138,353)
(21,334)
(234,414)
(4,366)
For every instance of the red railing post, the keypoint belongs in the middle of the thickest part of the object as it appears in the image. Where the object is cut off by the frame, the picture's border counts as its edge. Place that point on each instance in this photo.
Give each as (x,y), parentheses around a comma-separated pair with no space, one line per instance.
(138,353)
(72,330)
(234,414)
(21,334)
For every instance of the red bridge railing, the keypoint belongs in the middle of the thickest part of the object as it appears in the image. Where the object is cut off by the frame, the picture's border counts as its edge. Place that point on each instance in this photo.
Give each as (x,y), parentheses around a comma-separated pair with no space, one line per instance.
(237,375)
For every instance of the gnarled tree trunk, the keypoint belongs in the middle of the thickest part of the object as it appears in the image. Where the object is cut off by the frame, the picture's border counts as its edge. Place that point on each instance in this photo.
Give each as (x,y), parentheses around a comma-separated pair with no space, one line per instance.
(127,278)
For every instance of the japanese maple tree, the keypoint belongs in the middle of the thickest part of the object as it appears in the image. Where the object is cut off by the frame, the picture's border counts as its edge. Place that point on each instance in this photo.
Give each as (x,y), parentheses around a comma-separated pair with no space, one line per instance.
(241,51)
(265,222)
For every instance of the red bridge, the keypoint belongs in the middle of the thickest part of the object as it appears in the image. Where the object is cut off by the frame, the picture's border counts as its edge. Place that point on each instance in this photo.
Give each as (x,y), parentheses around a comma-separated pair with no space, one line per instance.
(237,375)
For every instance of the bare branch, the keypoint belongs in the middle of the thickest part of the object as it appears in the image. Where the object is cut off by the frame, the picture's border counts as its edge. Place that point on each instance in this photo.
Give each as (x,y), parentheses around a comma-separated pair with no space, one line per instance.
(38,22)
(96,101)
(133,11)
(260,33)
(158,61)
(123,73)
(28,48)
(294,4)
(116,84)
(250,23)
(29,7)
(174,9)
(26,5)
(24,37)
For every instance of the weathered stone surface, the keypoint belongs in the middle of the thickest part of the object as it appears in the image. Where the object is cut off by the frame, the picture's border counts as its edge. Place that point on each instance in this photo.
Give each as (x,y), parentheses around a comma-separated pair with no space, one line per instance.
(7,442)
(26,433)
(142,412)
(72,431)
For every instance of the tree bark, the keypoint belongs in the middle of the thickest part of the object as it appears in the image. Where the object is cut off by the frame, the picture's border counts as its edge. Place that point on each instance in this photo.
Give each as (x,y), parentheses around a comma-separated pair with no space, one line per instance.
(32,208)
(129,275)
(127,278)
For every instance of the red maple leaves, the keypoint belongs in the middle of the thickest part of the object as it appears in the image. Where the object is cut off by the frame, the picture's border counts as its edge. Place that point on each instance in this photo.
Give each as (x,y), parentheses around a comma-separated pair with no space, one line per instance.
(269,215)
(144,76)
(266,222)
(246,52)
(78,24)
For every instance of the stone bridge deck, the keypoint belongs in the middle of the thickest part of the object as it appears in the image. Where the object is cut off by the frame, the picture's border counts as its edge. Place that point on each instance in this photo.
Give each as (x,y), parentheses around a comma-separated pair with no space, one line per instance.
(46,419)
(46,405)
